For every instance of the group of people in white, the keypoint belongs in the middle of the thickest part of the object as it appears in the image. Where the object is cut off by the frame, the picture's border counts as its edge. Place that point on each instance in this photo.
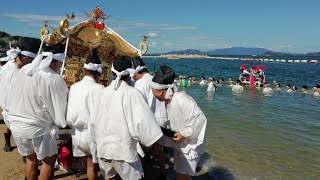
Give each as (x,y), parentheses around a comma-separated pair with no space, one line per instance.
(113,126)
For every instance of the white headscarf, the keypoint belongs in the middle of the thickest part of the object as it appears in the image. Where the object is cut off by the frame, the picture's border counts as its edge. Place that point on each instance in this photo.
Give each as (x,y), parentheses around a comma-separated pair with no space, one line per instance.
(119,75)
(38,64)
(171,88)
(93,67)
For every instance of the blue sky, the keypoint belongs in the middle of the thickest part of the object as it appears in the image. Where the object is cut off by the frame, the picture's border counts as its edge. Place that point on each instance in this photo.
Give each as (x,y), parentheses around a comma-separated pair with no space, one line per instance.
(279,25)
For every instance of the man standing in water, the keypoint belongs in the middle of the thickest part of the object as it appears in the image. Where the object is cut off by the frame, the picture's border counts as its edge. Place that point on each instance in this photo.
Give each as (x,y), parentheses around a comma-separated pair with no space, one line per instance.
(143,83)
(237,88)
(17,57)
(186,119)
(37,108)
(82,97)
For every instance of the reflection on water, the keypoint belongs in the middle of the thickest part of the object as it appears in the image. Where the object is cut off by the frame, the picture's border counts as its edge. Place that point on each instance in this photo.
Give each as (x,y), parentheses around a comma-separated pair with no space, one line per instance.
(257,136)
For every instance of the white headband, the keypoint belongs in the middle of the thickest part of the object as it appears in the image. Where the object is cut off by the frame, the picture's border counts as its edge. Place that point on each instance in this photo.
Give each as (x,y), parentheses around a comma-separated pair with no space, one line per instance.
(4,59)
(93,67)
(13,53)
(119,75)
(38,63)
(171,88)
(140,68)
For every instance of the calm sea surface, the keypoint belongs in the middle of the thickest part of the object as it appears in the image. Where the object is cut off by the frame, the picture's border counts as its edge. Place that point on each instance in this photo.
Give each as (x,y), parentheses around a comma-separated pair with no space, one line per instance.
(255,136)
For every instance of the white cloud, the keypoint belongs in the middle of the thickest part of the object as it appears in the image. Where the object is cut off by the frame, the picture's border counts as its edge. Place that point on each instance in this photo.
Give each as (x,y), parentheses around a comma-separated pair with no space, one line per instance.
(153,44)
(152,35)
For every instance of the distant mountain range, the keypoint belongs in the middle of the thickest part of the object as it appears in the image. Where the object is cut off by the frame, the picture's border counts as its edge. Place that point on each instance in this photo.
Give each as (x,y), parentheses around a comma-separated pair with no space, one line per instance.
(225,51)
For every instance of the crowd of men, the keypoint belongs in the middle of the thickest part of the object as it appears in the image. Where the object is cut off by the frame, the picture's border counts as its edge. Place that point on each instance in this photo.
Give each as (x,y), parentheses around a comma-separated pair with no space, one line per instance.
(112,126)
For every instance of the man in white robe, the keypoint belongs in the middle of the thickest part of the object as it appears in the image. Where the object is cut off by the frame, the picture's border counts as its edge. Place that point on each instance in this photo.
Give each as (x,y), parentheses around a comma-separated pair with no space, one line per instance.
(143,83)
(37,108)
(17,58)
(82,97)
(236,89)
(120,120)
(186,119)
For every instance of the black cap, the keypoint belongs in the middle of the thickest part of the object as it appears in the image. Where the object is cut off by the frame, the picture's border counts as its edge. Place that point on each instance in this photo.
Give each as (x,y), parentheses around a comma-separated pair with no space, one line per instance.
(29,44)
(122,64)
(165,75)
(93,57)
(138,62)
(55,48)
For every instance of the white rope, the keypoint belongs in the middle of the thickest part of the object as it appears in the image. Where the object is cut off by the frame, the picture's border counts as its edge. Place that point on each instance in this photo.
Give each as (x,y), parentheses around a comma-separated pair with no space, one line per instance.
(65,54)
(119,75)
(13,53)
(140,68)
(171,88)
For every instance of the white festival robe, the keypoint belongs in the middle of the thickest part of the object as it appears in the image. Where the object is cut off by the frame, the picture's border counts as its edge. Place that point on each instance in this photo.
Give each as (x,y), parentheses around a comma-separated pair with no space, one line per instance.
(37,104)
(237,88)
(187,118)
(120,120)
(211,87)
(7,76)
(157,107)
(82,97)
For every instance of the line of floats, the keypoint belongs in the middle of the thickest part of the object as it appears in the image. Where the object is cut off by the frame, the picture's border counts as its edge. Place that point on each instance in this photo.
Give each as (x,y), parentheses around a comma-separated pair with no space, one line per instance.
(267,60)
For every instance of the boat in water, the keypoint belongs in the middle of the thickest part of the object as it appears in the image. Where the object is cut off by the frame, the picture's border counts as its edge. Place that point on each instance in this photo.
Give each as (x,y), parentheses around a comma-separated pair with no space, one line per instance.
(314,61)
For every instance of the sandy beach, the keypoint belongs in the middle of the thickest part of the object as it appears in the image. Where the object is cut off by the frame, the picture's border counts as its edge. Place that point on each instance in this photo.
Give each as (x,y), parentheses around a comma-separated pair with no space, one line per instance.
(12,166)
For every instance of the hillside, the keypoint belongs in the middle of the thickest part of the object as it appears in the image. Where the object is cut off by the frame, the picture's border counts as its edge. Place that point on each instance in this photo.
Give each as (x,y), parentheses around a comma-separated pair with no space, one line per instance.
(238,51)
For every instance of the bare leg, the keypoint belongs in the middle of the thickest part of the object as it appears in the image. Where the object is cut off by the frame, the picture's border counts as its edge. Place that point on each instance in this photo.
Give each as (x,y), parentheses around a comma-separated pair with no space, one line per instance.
(182,176)
(7,136)
(31,167)
(157,150)
(47,168)
(91,170)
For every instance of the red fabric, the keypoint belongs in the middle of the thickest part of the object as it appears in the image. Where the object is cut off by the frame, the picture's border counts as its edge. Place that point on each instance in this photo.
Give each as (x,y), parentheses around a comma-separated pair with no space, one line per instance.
(243,66)
(253,79)
(263,68)
(65,158)
(99,25)
(255,68)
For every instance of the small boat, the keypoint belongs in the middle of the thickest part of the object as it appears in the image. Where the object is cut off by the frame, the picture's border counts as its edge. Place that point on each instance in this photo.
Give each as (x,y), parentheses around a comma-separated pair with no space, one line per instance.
(271,60)
(304,61)
(314,61)
(283,60)
(266,60)
(290,61)
(296,61)
(277,60)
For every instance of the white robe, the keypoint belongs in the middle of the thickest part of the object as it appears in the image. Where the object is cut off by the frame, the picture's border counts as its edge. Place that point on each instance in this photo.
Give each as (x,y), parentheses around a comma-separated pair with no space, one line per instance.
(187,118)
(120,120)
(237,88)
(156,106)
(267,90)
(37,104)
(203,82)
(7,76)
(211,87)
(82,97)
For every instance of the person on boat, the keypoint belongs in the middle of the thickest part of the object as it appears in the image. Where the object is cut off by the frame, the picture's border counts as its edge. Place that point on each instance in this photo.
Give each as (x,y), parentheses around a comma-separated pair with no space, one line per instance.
(288,88)
(277,87)
(304,90)
(25,52)
(122,119)
(203,81)
(37,108)
(143,83)
(237,88)
(267,89)
(187,121)
(211,86)
(82,97)
(315,92)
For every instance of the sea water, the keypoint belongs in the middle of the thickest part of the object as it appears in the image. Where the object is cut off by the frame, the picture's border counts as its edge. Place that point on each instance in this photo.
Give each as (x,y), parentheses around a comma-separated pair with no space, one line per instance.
(255,136)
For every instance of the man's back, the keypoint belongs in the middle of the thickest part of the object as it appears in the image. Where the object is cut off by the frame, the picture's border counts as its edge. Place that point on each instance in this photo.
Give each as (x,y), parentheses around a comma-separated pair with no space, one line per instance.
(82,97)
(37,102)
(237,88)
(121,119)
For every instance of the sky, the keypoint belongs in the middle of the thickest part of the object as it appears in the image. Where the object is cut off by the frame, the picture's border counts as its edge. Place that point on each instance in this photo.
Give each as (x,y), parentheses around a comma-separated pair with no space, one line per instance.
(278,25)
